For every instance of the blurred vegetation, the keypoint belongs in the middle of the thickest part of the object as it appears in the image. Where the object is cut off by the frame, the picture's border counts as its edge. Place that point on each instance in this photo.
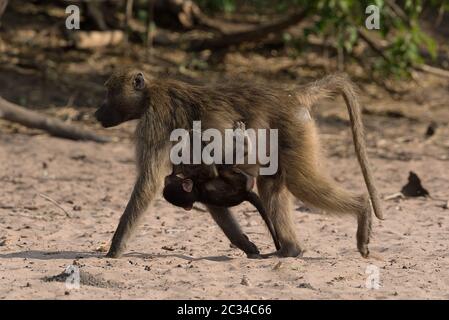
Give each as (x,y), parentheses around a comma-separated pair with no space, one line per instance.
(336,28)
(193,39)
(342,20)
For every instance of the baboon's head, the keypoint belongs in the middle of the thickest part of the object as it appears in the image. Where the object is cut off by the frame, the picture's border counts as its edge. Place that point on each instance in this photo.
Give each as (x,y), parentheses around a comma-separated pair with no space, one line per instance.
(126,98)
(180,191)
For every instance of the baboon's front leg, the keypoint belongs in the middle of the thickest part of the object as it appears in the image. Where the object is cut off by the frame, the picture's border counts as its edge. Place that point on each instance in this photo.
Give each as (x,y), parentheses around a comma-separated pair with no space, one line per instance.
(153,166)
(138,203)
(226,221)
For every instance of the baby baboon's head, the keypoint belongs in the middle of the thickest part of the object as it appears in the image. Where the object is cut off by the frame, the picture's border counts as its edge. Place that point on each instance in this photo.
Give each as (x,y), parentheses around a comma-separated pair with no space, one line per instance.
(126,98)
(180,191)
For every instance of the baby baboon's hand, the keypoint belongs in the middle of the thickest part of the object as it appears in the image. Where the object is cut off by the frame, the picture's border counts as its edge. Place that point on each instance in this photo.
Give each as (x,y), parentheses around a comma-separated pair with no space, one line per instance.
(240,134)
(239,125)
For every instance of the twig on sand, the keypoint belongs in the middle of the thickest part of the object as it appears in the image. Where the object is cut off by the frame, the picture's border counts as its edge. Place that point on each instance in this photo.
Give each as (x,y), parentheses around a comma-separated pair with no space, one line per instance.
(397,195)
(55,203)
(199,209)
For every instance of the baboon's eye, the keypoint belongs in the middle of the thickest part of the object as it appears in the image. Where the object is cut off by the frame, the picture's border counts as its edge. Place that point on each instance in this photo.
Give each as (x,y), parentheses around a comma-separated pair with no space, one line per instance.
(139,81)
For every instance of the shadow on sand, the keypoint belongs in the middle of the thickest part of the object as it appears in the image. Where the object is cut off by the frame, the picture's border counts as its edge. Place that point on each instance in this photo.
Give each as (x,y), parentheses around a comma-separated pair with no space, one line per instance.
(53,255)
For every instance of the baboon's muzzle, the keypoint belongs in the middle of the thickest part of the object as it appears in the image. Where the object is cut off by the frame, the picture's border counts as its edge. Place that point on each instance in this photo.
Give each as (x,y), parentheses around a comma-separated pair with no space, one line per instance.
(107,118)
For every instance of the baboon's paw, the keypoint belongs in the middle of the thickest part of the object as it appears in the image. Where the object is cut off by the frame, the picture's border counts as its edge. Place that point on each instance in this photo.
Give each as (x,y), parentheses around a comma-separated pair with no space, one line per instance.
(254,256)
(364,251)
(113,254)
(287,252)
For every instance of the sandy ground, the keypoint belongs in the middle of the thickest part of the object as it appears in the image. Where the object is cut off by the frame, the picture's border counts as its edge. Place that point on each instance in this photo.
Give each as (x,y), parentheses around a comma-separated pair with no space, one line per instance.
(177,254)
(60,201)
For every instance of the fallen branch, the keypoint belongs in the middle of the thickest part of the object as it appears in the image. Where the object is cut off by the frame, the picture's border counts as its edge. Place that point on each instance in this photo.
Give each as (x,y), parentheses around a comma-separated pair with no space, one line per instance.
(394,196)
(55,203)
(433,70)
(252,35)
(31,119)
(97,39)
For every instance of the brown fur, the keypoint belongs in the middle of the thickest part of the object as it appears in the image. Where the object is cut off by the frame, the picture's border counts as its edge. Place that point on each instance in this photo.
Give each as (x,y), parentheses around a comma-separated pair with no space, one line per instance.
(168,104)
(230,187)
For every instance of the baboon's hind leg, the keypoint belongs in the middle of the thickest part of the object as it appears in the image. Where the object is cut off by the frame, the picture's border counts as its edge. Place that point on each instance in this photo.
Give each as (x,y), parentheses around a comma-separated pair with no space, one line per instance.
(277,202)
(364,230)
(309,184)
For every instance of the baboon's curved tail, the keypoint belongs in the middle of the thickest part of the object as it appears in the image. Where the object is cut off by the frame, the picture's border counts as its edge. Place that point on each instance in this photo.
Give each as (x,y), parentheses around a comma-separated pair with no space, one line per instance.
(327,87)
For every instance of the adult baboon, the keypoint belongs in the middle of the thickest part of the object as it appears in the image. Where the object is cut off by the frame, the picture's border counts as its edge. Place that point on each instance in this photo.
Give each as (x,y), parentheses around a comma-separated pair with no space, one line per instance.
(164,105)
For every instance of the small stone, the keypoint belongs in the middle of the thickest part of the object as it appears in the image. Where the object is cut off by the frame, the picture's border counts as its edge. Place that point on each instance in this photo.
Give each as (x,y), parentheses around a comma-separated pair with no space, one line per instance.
(446,205)
(245,281)
(102,248)
(278,265)
(306,285)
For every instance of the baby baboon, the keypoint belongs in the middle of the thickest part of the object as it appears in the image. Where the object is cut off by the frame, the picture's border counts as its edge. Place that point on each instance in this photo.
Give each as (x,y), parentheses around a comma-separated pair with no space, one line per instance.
(228,188)
(164,105)
(220,185)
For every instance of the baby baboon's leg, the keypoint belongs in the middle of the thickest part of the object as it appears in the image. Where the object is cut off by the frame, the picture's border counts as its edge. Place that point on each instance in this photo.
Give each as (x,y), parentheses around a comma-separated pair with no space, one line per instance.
(307,181)
(226,221)
(254,199)
(277,202)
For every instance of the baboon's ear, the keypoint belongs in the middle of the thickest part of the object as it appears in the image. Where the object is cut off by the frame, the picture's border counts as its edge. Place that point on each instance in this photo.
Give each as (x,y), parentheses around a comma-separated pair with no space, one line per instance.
(139,81)
(187,185)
